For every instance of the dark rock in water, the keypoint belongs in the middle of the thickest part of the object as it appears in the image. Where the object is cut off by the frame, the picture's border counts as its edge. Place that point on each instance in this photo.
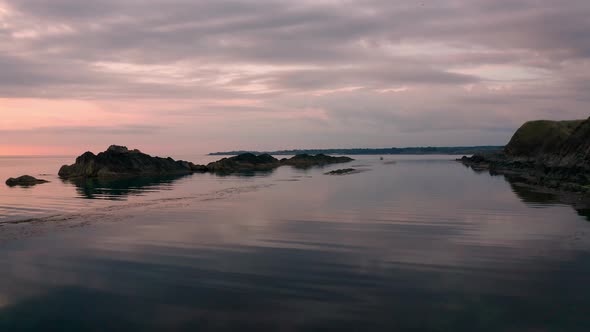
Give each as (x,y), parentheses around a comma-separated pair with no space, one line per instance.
(244,163)
(474,159)
(25,180)
(248,162)
(306,160)
(195,168)
(343,171)
(120,161)
(552,154)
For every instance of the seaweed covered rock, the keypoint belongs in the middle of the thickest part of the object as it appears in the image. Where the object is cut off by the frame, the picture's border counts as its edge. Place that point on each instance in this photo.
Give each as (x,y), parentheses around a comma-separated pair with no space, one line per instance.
(25,181)
(120,161)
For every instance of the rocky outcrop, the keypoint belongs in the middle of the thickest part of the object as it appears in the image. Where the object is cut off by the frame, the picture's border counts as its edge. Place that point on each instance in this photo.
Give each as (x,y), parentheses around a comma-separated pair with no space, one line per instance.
(25,181)
(120,161)
(306,160)
(553,154)
(245,162)
(248,162)
(536,139)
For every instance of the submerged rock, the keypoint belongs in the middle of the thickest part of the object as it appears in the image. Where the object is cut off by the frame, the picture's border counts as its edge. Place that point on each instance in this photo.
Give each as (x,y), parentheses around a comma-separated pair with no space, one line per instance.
(306,160)
(343,171)
(25,180)
(120,161)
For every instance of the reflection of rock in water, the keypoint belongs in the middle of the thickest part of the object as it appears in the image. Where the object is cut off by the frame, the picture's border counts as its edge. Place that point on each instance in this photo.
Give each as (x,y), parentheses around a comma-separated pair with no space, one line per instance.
(584,213)
(541,196)
(478,170)
(246,173)
(120,188)
(531,194)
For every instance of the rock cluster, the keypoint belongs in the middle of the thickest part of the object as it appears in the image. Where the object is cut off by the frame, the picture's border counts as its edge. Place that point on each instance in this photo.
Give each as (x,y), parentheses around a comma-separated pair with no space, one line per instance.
(306,160)
(265,162)
(119,161)
(244,163)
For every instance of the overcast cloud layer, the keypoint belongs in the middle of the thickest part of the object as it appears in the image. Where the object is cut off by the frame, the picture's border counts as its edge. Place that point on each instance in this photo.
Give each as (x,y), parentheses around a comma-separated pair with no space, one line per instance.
(184,76)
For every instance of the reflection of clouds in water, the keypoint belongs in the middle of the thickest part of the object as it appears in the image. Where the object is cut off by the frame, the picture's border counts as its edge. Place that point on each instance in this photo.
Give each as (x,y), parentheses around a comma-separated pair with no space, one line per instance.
(254,284)
(383,248)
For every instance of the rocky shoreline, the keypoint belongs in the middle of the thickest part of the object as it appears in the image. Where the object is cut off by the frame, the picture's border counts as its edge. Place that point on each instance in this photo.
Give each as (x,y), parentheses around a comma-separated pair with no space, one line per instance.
(549,154)
(531,173)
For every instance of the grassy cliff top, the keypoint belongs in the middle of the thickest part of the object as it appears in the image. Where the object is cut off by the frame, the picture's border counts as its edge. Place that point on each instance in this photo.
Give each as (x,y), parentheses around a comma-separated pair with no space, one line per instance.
(540,137)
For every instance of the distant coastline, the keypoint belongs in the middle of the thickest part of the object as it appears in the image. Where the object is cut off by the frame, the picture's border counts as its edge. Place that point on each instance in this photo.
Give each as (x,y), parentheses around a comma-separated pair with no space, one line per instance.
(454,150)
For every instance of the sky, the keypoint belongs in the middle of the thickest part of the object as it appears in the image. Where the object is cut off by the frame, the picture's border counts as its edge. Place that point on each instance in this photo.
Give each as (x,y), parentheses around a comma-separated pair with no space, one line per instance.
(189,76)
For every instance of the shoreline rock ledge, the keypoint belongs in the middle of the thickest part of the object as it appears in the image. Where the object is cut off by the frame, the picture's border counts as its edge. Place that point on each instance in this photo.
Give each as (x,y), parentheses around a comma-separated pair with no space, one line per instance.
(551,154)
(119,161)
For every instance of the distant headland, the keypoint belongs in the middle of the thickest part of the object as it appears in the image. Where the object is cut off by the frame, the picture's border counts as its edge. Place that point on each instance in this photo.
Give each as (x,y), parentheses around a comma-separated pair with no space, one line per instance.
(452,150)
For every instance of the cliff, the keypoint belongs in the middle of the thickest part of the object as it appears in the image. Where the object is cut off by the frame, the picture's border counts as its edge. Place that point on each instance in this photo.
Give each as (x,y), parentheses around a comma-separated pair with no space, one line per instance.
(539,138)
(554,154)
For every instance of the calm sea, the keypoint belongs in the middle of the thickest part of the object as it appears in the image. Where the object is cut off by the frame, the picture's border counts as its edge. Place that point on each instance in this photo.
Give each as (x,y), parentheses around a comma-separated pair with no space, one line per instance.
(423,244)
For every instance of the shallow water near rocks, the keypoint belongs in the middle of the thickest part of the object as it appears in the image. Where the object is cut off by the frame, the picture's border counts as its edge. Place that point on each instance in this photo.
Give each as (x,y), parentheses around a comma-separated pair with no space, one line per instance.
(422,244)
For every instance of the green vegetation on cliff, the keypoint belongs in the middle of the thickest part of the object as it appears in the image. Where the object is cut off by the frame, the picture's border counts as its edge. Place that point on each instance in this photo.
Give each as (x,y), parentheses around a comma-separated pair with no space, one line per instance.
(553,154)
(535,138)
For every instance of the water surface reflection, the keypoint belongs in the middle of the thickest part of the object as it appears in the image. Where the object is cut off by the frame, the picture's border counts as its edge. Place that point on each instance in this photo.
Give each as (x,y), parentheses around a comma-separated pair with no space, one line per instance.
(541,197)
(120,188)
(416,246)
